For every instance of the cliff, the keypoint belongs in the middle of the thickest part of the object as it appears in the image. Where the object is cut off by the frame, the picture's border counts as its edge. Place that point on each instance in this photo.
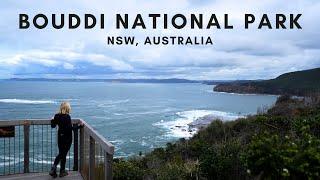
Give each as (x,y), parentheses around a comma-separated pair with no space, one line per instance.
(301,83)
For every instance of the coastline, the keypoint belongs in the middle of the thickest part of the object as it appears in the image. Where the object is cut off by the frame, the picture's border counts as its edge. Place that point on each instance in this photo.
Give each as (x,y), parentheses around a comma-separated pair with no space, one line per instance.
(188,123)
(204,121)
(244,94)
(182,107)
(298,83)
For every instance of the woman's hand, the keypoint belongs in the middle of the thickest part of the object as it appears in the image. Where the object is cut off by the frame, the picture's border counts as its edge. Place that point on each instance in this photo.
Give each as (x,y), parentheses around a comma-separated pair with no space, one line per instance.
(81,124)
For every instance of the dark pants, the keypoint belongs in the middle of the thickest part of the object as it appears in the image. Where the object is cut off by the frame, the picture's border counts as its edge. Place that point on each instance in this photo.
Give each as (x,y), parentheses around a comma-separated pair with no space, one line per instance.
(64,144)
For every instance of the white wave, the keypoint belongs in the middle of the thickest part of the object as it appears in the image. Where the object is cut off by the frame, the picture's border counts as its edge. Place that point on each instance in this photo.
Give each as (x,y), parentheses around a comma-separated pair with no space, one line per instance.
(15,161)
(180,126)
(26,101)
(124,155)
(101,117)
(143,112)
(110,103)
(143,143)
(12,162)
(150,112)
(119,101)
(117,142)
(42,161)
(118,114)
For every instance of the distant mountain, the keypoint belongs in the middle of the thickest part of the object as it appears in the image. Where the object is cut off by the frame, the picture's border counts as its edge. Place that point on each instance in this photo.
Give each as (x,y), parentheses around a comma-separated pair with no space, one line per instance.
(170,80)
(173,80)
(299,83)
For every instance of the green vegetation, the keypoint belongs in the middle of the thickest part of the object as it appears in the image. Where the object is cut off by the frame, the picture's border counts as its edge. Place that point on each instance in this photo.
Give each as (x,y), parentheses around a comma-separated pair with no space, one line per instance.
(282,142)
(301,83)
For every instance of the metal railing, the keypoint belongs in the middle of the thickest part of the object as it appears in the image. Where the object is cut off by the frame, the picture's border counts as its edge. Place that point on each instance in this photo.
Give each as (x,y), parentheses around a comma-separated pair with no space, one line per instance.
(33,148)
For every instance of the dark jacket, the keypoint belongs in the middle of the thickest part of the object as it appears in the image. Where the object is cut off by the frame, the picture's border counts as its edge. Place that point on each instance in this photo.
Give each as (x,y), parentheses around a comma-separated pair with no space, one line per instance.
(64,123)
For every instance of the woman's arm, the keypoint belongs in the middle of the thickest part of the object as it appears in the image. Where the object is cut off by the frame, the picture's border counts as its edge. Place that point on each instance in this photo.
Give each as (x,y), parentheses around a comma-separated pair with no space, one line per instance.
(54,121)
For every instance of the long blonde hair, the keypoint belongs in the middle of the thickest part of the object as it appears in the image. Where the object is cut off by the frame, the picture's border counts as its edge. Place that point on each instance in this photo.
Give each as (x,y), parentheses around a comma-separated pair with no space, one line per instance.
(65,108)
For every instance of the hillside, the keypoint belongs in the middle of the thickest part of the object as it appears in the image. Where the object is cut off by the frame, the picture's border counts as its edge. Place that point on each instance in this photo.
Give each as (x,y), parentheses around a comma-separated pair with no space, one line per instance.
(280,143)
(299,83)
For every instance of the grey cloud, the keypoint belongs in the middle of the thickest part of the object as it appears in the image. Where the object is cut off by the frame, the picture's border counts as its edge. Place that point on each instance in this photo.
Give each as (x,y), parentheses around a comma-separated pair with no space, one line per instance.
(237,54)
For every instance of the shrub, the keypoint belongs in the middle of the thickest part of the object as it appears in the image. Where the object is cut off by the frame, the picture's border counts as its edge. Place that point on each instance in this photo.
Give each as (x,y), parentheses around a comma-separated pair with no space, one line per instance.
(129,170)
(272,157)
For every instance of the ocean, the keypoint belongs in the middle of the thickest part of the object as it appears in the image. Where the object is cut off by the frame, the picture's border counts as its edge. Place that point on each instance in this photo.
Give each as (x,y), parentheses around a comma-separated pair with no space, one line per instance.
(135,117)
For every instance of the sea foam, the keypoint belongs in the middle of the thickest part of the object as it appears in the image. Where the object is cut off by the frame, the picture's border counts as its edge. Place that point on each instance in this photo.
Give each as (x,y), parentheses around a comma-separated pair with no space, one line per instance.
(26,101)
(180,127)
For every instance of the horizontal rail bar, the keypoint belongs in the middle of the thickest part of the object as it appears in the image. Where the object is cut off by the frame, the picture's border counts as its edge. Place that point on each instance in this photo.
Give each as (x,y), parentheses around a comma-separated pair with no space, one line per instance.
(30,122)
(106,146)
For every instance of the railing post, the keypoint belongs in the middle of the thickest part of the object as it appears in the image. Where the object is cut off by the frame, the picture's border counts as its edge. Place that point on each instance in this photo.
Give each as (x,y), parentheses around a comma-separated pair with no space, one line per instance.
(108,158)
(92,158)
(75,148)
(26,132)
(81,149)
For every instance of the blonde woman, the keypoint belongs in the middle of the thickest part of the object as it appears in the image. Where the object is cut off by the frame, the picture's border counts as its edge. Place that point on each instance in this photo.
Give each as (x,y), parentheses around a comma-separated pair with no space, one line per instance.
(63,120)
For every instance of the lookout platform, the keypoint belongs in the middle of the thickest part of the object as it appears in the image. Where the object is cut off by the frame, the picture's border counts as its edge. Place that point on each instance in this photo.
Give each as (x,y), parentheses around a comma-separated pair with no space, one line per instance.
(73,175)
(28,149)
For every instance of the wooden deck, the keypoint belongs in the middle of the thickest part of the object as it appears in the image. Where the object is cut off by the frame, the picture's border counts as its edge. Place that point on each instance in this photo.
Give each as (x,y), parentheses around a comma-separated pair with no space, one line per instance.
(85,142)
(73,175)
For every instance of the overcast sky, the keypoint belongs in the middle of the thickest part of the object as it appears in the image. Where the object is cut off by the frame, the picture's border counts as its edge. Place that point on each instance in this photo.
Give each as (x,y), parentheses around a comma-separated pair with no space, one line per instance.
(236,54)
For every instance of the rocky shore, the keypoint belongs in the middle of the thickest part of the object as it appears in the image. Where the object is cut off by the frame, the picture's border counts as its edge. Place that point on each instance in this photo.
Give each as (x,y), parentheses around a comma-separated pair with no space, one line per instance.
(244,88)
(204,121)
(201,122)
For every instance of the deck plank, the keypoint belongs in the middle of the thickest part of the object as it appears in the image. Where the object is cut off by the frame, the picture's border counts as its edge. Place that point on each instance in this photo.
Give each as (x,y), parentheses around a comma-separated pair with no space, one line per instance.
(73,175)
